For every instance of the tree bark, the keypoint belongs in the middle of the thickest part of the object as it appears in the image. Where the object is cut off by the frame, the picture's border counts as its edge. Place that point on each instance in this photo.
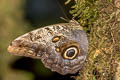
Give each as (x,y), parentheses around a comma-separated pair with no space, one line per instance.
(103,60)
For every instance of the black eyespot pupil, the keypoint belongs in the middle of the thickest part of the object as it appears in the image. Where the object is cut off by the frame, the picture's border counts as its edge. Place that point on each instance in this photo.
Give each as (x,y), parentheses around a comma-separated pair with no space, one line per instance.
(70,53)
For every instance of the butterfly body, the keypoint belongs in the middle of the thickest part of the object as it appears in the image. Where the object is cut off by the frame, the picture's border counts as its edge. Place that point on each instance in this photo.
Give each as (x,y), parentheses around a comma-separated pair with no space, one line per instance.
(61,47)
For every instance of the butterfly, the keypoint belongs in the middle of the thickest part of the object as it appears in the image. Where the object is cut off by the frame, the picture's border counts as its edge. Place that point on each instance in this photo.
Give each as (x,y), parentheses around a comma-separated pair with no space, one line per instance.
(61,47)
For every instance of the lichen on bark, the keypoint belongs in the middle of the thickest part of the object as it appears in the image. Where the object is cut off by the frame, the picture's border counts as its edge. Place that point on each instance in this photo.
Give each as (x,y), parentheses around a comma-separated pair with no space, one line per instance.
(101,21)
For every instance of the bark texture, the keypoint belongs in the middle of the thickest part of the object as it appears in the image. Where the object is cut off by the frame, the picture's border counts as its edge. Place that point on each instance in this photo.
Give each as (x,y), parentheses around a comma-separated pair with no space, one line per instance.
(103,61)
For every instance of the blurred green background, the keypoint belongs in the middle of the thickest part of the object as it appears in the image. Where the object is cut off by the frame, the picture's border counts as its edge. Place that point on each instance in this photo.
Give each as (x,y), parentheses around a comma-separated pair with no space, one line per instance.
(18,17)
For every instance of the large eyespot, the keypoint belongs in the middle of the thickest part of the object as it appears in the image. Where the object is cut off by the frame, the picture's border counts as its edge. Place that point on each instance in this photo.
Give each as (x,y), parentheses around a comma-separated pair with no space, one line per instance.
(70,53)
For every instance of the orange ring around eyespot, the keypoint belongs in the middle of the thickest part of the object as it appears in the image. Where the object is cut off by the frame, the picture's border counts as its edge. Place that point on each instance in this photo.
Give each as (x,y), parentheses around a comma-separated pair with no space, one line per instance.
(75,54)
(67,45)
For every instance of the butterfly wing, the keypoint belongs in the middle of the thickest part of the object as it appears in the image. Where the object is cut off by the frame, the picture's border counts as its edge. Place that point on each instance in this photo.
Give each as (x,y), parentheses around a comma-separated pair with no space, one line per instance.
(61,47)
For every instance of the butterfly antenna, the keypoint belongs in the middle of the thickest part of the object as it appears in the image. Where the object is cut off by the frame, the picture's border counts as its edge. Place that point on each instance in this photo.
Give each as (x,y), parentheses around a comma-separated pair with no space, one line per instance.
(60,6)
(64,19)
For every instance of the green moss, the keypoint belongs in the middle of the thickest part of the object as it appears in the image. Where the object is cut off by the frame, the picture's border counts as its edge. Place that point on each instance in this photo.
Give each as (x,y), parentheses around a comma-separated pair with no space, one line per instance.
(85,11)
(110,1)
(104,41)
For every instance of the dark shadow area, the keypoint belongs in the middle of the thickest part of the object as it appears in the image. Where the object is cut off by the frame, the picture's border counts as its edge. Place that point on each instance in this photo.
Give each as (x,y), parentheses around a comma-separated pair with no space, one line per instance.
(1,77)
(29,65)
(42,12)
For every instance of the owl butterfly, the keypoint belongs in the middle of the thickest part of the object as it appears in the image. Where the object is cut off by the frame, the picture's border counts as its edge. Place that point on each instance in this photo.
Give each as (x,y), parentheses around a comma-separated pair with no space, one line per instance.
(61,47)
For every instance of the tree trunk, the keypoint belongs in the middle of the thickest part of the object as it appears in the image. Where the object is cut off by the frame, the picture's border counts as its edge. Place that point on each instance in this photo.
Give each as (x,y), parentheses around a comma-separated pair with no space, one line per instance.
(103,60)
